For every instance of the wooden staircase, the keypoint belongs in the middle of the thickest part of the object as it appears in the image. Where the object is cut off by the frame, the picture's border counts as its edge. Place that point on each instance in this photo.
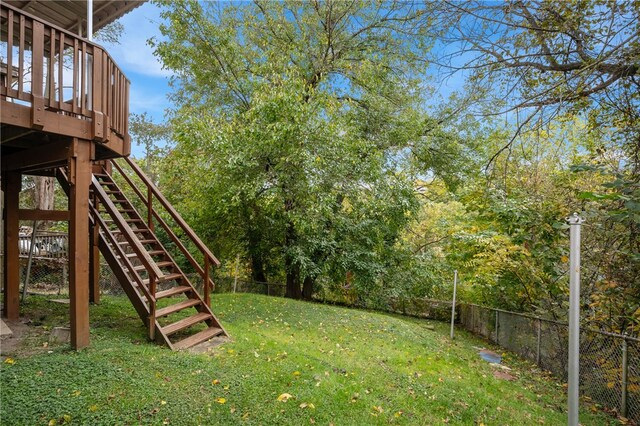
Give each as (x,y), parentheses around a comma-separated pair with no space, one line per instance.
(164,297)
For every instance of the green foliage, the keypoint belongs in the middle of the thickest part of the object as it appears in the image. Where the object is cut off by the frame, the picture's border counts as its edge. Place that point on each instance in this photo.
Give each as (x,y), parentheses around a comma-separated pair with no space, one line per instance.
(302,124)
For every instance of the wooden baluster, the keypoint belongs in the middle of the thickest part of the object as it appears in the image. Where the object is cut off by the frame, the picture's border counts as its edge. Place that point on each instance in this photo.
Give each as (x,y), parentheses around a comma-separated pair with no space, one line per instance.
(97,123)
(9,52)
(75,69)
(116,100)
(51,80)
(21,75)
(152,307)
(60,72)
(37,78)
(83,71)
(207,298)
(150,209)
(127,140)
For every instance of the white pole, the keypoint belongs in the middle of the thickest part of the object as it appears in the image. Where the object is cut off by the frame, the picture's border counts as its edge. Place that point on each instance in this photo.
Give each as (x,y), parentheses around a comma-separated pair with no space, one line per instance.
(575,222)
(89,20)
(235,279)
(453,303)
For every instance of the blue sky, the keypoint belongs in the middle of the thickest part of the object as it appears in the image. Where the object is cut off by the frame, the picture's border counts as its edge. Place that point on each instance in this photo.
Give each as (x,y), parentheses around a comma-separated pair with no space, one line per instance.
(149,82)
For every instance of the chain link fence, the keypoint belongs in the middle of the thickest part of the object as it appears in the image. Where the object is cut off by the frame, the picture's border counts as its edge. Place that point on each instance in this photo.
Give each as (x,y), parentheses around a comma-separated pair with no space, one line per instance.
(609,363)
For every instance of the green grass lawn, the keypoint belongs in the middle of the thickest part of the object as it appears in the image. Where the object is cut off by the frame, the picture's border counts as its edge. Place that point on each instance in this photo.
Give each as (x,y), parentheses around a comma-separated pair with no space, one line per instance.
(339,366)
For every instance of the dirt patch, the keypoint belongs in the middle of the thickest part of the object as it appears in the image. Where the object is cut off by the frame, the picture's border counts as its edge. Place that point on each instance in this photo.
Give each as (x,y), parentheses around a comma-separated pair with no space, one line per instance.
(208,346)
(503,375)
(20,332)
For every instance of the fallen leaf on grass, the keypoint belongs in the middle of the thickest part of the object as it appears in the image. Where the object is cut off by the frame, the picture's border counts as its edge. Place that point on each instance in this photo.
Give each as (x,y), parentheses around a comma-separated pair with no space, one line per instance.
(377,409)
(307,405)
(9,361)
(215,382)
(220,400)
(285,397)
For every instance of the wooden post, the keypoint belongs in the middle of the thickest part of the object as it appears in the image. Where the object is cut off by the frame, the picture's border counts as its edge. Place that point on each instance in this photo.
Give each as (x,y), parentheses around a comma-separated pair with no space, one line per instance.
(80,179)
(94,262)
(11,185)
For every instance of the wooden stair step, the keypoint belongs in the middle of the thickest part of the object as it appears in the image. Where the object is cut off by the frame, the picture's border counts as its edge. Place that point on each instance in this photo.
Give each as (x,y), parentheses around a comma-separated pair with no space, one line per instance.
(140,230)
(198,338)
(159,264)
(172,291)
(156,252)
(167,278)
(185,322)
(177,307)
(173,276)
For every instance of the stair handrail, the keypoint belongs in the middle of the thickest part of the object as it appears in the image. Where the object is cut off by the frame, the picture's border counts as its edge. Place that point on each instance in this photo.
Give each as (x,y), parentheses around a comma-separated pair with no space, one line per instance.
(152,190)
(147,261)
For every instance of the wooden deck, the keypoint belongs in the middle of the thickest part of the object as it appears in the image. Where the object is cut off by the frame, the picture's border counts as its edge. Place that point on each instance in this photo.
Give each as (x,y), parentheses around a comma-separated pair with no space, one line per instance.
(56,85)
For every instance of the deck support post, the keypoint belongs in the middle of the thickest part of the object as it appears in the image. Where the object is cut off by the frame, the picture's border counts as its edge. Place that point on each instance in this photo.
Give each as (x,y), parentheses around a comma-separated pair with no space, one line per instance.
(94,264)
(11,186)
(79,180)
(94,259)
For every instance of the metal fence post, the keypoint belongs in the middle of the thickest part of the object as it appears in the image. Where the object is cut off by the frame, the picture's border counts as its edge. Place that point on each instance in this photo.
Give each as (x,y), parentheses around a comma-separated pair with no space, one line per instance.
(575,222)
(538,342)
(235,278)
(453,303)
(625,370)
(497,325)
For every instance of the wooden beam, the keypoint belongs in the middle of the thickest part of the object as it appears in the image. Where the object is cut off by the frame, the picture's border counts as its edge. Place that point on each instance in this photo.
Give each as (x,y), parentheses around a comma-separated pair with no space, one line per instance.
(49,215)
(79,179)
(11,185)
(12,133)
(41,157)
(51,122)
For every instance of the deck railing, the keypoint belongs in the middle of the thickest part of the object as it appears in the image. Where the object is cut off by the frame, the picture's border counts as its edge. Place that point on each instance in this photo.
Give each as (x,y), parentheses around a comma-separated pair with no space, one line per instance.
(52,69)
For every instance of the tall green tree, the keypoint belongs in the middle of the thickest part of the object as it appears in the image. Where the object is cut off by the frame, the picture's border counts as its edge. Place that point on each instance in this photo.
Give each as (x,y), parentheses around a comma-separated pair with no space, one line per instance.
(296,120)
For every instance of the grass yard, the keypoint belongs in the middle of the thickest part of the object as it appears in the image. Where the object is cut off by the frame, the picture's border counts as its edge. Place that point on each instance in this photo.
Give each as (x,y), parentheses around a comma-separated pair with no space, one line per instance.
(289,363)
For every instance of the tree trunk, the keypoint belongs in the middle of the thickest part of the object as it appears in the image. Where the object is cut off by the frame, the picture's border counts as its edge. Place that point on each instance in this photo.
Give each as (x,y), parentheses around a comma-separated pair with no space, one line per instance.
(307,288)
(257,268)
(44,196)
(293,285)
